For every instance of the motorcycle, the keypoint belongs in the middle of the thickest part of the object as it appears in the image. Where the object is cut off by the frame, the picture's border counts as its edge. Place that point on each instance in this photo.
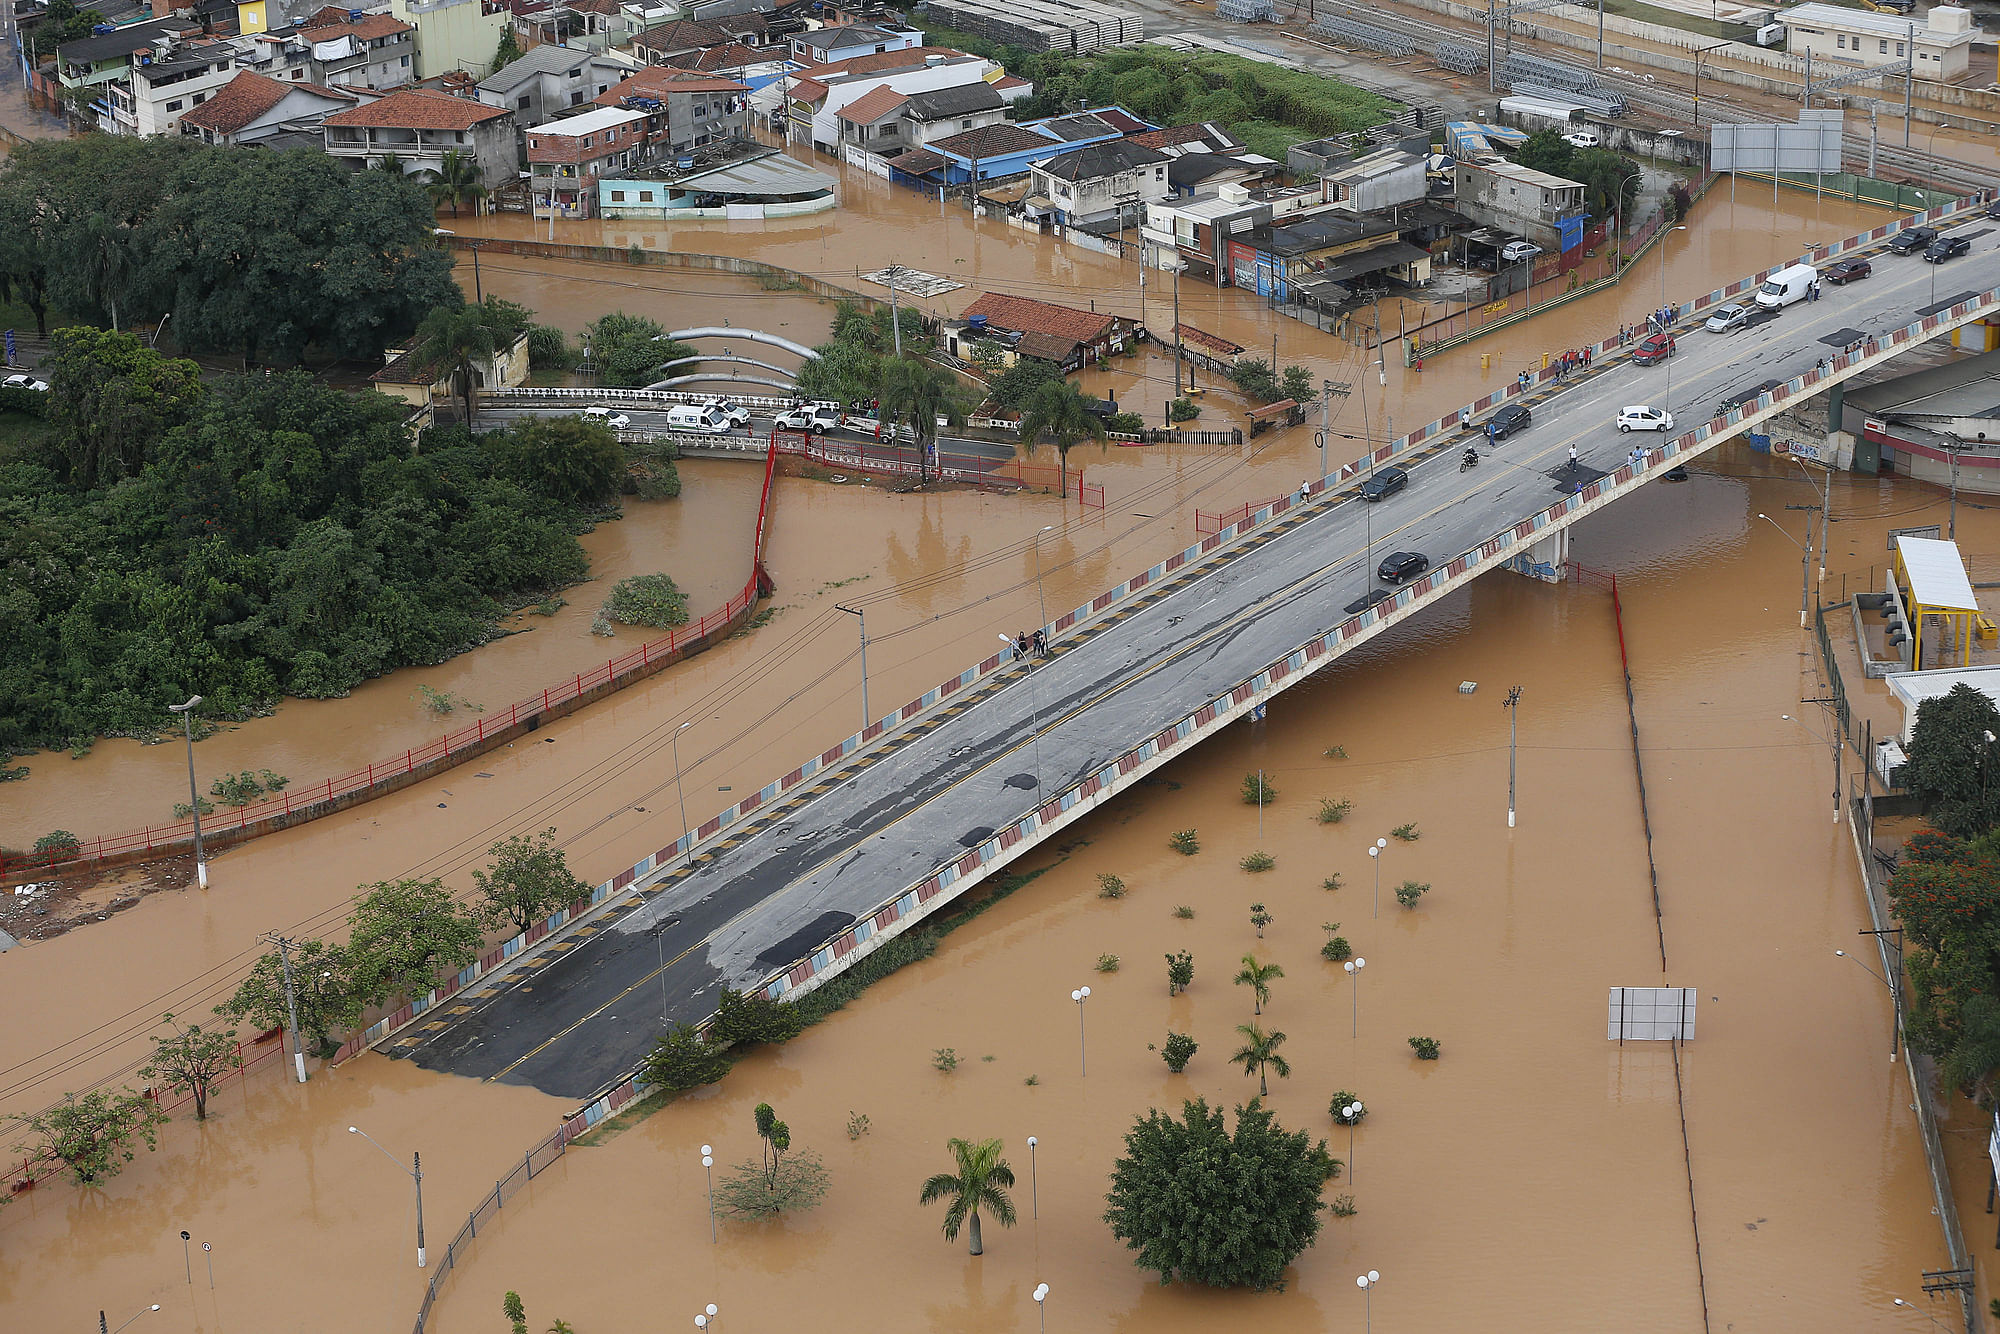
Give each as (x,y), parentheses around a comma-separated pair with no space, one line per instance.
(1469,459)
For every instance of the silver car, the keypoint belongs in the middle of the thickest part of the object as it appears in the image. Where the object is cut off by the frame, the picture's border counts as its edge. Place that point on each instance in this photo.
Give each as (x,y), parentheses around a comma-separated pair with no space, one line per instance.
(1727,319)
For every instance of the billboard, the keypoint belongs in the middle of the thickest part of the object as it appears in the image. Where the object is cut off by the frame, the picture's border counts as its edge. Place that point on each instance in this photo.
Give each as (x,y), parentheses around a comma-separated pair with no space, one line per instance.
(1809,147)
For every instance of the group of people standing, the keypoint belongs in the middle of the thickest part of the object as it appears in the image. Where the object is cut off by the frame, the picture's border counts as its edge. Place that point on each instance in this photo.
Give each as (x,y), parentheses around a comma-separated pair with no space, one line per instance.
(1026,644)
(1572,361)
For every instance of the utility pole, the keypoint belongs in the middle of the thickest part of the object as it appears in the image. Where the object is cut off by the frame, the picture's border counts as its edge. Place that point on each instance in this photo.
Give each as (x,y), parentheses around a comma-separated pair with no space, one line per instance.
(1909,83)
(1489,45)
(1513,706)
(895,313)
(291,1001)
(1178,265)
(1805,559)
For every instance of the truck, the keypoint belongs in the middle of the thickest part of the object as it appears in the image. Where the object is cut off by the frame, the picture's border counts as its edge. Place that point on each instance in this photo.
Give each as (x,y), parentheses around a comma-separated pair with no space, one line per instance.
(1786,286)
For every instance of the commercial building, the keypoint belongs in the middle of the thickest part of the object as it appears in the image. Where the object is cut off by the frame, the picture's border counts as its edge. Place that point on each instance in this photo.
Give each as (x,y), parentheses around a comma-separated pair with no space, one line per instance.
(1942,39)
(164,83)
(751,181)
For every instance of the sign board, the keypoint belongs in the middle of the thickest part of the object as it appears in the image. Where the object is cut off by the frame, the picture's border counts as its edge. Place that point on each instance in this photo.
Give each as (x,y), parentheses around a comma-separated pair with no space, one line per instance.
(1993,1144)
(1932,531)
(1810,146)
(1650,1014)
(1805,449)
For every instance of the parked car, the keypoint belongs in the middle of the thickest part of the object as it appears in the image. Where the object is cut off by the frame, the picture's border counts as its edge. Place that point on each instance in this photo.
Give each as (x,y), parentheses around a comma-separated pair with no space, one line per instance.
(1361,604)
(1944,248)
(1727,319)
(1912,239)
(1787,286)
(1847,270)
(1993,209)
(1582,139)
(737,414)
(1385,483)
(617,421)
(1516,251)
(1507,420)
(1642,418)
(25,382)
(1657,348)
(1400,566)
(809,417)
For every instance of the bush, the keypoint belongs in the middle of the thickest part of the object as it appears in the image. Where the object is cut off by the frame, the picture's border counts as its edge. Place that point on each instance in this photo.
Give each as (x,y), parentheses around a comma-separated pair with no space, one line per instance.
(547,346)
(944,1058)
(1407,832)
(1184,842)
(1427,1049)
(1184,911)
(1260,917)
(1344,1099)
(743,1018)
(647,599)
(56,845)
(1333,812)
(1253,375)
(1409,892)
(1125,423)
(1107,963)
(1183,410)
(1180,970)
(1335,752)
(243,788)
(1331,882)
(1180,1049)
(1344,1207)
(1110,886)
(1257,790)
(1258,861)
(684,1059)
(1336,950)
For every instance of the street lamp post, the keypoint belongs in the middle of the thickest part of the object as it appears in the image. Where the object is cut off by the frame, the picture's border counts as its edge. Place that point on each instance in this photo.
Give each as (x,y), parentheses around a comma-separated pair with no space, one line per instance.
(104,1326)
(708,1166)
(1805,566)
(1035,703)
(1895,1001)
(1907,1307)
(1375,855)
(416,1172)
(1080,995)
(706,1319)
(186,711)
(1351,1114)
(1366,1282)
(1041,603)
(1667,403)
(1034,1181)
(866,716)
(1353,968)
(680,792)
(1041,1305)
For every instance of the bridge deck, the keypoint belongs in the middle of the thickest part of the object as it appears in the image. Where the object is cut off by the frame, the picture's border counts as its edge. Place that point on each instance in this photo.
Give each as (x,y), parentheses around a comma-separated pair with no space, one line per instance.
(839,848)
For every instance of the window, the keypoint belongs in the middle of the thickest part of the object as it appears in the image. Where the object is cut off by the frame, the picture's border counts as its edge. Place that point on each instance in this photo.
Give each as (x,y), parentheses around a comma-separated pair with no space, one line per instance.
(1840,40)
(173,106)
(199,98)
(521,103)
(645,196)
(1899,48)
(1885,46)
(406,62)
(576,98)
(965,124)
(617,196)
(298,74)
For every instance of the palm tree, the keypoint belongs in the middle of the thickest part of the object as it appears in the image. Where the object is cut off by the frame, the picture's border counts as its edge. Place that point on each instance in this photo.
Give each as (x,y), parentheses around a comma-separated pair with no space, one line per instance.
(916,394)
(456,335)
(1258,977)
(1057,411)
(455,180)
(391,163)
(1260,1049)
(981,1179)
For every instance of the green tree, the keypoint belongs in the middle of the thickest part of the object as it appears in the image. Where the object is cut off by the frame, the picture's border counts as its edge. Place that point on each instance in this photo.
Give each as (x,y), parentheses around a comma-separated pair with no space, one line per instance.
(1254,376)
(683,1059)
(24,255)
(1258,977)
(1298,385)
(1016,386)
(1057,413)
(574,461)
(743,1018)
(509,50)
(517,1314)
(1547,150)
(1260,1050)
(405,934)
(528,880)
(1180,972)
(1612,180)
(457,337)
(841,372)
(110,400)
(1952,765)
(321,979)
(918,395)
(779,1184)
(1202,1205)
(64,22)
(455,179)
(630,349)
(981,1181)
(92,1133)
(193,1059)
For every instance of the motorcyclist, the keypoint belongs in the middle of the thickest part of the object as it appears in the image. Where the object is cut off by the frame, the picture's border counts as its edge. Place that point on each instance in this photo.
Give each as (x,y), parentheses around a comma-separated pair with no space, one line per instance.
(1470,459)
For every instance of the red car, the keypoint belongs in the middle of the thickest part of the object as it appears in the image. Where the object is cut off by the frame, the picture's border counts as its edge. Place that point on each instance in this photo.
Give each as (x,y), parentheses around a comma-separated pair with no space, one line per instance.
(1847,270)
(1657,348)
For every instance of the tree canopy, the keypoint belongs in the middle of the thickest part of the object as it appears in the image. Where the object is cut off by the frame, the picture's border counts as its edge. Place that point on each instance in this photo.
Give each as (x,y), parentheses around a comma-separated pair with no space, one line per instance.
(1202,1205)
(1952,762)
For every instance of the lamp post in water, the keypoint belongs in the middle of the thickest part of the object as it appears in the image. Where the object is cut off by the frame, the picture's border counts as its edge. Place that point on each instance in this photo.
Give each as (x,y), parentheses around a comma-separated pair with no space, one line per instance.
(186,711)
(414,1170)
(1080,995)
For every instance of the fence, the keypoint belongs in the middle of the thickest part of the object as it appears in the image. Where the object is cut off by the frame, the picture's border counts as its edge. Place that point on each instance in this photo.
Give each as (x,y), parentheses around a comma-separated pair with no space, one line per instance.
(1206,522)
(373,780)
(533,1163)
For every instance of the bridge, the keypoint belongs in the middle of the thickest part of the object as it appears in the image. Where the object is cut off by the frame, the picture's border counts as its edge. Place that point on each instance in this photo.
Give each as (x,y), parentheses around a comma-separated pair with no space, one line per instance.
(808,875)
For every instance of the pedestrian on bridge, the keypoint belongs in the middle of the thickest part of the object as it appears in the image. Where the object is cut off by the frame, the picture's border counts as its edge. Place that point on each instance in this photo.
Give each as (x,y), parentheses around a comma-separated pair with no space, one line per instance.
(1572,456)
(1465,418)
(1041,642)
(1305,492)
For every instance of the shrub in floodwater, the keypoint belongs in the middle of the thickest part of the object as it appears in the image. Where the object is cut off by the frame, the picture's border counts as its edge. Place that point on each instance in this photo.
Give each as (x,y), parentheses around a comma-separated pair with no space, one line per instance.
(647,599)
(1258,861)
(1180,1049)
(1335,752)
(1257,790)
(1184,842)
(1333,812)
(1344,1207)
(857,1124)
(1109,886)
(1407,832)
(1410,891)
(1180,970)
(1341,1102)
(944,1058)
(56,845)
(1331,882)
(1427,1049)
(1184,911)
(1032,1080)
(1336,950)
(1260,918)
(1107,963)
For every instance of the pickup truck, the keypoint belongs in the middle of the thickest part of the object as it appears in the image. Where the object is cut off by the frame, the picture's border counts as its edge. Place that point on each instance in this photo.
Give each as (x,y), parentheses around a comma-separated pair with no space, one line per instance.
(1912,239)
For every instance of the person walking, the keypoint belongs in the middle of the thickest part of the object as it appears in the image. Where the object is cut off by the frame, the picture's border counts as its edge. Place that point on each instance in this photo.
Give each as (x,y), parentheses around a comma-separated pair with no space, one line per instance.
(1020,645)
(1041,643)
(1305,492)
(1572,456)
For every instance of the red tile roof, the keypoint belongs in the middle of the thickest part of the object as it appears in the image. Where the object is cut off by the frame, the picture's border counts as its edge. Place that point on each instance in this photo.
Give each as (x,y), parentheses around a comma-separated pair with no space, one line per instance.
(246,97)
(807,90)
(1007,83)
(876,62)
(731,55)
(1026,315)
(680,35)
(665,79)
(366,28)
(416,109)
(872,105)
(1200,338)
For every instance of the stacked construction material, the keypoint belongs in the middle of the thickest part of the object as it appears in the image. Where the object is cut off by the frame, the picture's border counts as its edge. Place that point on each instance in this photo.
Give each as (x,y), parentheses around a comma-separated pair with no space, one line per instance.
(1075,26)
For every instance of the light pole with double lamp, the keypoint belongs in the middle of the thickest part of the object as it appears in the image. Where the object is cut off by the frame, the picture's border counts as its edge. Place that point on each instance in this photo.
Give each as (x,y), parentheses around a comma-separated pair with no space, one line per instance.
(1041,1305)
(416,1173)
(104,1326)
(1366,1283)
(1375,855)
(1353,968)
(1080,995)
(186,711)
(708,1166)
(706,1320)
(1352,1115)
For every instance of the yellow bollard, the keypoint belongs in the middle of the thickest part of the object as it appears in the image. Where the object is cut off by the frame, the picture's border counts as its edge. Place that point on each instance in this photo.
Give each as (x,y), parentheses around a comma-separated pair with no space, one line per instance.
(1545,361)
(1485,361)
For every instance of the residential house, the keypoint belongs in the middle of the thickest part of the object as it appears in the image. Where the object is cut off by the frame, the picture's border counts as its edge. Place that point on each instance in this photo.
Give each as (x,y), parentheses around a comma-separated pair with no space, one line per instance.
(356,50)
(1545,209)
(744,180)
(999,151)
(1108,183)
(682,41)
(943,112)
(826,46)
(252,108)
(808,101)
(1062,335)
(419,127)
(1325,255)
(567,157)
(93,61)
(1941,40)
(1193,174)
(549,80)
(1193,235)
(428,387)
(875,120)
(454,34)
(165,83)
(1388,179)
(684,110)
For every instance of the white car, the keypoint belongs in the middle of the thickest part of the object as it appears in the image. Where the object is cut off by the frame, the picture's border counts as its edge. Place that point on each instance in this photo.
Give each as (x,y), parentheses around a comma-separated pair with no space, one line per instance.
(1726,319)
(1516,251)
(1642,418)
(809,417)
(25,382)
(1582,139)
(737,414)
(617,421)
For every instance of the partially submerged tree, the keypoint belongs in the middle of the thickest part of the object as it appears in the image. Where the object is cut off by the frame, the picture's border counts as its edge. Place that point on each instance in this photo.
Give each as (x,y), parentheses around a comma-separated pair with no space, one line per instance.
(1258,977)
(743,1018)
(321,981)
(1259,1050)
(528,880)
(1058,414)
(917,395)
(193,1059)
(92,1133)
(783,1182)
(455,180)
(406,933)
(981,1181)
(683,1058)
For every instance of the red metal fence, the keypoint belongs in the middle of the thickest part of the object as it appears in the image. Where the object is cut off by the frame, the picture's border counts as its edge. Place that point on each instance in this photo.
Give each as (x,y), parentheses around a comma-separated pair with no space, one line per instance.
(1207,522)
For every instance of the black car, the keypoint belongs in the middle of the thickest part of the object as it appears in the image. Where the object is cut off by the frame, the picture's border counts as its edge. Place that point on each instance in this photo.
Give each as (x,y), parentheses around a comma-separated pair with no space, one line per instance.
(1399,566)
(1386,482)
(1359,605)
(1993,209)
(1944,248)
(1846,271)
(1504,422)
(1912,239)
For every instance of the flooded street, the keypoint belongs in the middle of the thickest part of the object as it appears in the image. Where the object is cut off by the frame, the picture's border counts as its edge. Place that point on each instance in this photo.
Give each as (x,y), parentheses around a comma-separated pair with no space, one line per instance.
(1536,1173)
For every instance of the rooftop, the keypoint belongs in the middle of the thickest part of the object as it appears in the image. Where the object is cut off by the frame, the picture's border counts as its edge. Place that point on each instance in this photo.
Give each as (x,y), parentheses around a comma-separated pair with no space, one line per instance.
(366,28)
(730,55)
(535,62)
(1930,31)
(246,97)
(1027,315)
(1968,387)
(1204,133)
(1540,180)
(850,34)
(123,42)
(412,109)
(1087,125)
(964,100)
(1937,574)
(872,106)
(759,171)
(1099,160)
(989,141)
(681,35)
(876,62)
(588,122)
(663,80)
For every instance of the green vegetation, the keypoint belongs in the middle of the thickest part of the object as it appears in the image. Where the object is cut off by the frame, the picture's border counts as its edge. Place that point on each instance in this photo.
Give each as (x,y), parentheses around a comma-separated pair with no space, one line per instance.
(1257,790)
(917,395)
(1058,414)
(981,1181)
(1949,759)
(1184,911)
(1333,812)
(684,1058)
(745,1018)
(1255,377)
(443,703)
(1260,917)
(1183,410)
(1336,950)
(1610,178)
(91,1134)
(322,983)
(1343,1206)
(628,350)
(1331,882)
(528,880)
(1110,886)
(458,337)
(1259,1052)
(1178,1051)
(1427,1049)
(1258,977)
(1107,963)
(192,1058)
(1180,970)
(1238,1228)
(1184,842)
(56,845)
(404,934)
(240,789)
(1258,861)
(944,1059)
(1335,752)
(647,599)
(1408,833)
(776,1184)
(852,363)
(1343,1100)
(1410,891)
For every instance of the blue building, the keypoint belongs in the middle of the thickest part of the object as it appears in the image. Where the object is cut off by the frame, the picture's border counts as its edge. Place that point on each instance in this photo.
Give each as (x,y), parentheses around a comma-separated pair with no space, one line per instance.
(996,152)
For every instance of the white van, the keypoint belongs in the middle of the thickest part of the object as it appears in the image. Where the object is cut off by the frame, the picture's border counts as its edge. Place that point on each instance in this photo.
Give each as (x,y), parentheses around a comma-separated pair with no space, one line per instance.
(1786,286)
(688,417)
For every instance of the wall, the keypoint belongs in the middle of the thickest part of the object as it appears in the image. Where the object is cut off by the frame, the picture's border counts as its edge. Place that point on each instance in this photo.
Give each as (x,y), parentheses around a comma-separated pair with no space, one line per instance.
(453,34)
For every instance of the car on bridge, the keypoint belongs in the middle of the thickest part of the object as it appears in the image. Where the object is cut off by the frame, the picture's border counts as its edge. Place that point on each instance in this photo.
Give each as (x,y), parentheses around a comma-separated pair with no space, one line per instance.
(1400,566)
(1657,348)
(1385,483)
(737,414)
(1946,247)
(617,421)
(1993,209)
(1845,271)
(1639,417)
(1912,239)
(1361,604)
(809,417)
(1505,421)
(1728,319)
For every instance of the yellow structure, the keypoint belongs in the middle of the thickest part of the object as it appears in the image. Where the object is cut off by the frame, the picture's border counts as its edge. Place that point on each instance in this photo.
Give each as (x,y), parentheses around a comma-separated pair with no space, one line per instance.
(252,17)
(1930,576)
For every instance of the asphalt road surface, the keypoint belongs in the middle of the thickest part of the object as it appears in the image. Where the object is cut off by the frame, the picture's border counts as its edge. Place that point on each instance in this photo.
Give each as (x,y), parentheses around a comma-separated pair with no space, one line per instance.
(809,866)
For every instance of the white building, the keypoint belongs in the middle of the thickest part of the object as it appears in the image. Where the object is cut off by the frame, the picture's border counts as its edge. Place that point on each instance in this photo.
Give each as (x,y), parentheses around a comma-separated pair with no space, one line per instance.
(1107,182)
(171,79)
(1862,37)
